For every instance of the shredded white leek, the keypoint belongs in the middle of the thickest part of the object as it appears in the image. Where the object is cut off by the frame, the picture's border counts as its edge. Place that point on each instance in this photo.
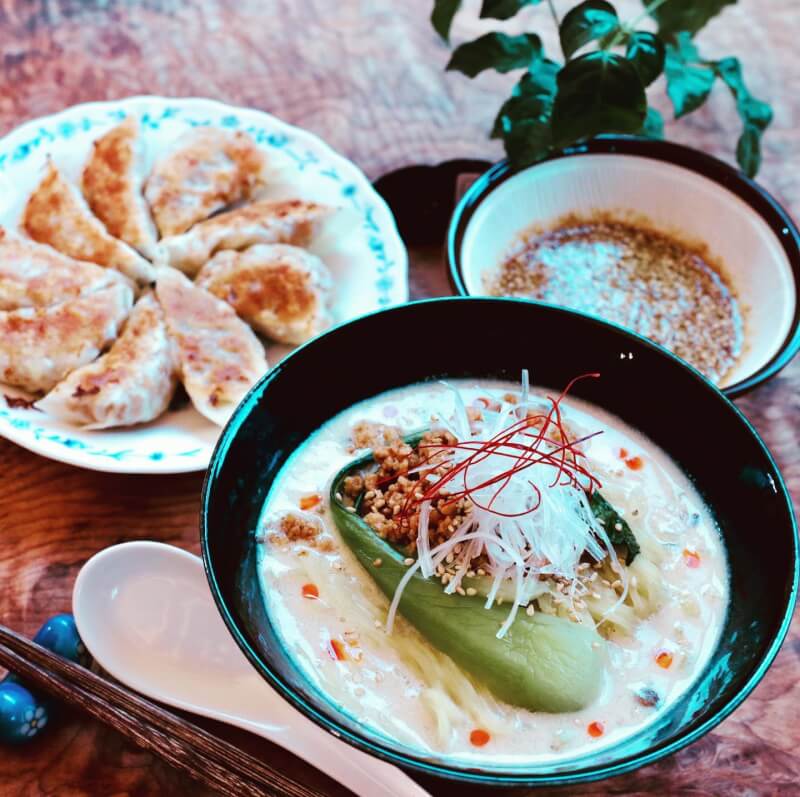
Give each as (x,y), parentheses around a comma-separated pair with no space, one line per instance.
(531,550)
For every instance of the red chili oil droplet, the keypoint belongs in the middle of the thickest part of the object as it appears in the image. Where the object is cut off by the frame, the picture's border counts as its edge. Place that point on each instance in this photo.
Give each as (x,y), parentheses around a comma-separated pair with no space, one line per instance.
(309,501)
(479,737)
(664,659)
(595,729)
(336,650)
(310,591)
(691,558)
(623,453)
(635,463)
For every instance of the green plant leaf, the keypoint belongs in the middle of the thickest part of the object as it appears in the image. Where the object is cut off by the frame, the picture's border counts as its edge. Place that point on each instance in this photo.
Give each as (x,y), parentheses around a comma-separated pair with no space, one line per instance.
(748,150)
(653,126)
(689,78)
(599,92)
(504,9)
(686,15)
(442,16)
(530,100)
(755,115)
(589,21)
(647,54)
(496,51)
(528,142)
(751,110)
(524,119)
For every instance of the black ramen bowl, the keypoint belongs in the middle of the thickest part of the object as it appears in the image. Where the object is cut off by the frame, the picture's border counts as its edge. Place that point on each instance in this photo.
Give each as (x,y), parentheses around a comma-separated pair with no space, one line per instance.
(643,384)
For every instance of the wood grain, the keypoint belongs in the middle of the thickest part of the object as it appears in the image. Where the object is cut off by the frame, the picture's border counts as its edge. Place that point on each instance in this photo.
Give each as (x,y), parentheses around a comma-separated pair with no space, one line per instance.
(368,77)
(202,756)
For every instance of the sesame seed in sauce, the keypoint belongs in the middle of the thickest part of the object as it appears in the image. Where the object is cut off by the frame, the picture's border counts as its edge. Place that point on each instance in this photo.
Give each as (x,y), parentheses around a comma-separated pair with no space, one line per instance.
(643,279)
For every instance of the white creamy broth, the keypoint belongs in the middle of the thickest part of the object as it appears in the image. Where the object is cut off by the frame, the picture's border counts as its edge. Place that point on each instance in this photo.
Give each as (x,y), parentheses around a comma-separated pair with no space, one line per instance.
(402,687)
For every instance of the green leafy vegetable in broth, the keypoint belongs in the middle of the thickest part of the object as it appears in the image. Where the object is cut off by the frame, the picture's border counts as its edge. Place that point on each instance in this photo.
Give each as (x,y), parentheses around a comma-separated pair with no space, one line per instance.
(543,663)
(619,532)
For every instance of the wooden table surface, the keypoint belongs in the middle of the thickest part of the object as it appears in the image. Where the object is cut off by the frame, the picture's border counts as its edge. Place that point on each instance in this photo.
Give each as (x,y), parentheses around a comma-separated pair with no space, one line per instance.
(368,77)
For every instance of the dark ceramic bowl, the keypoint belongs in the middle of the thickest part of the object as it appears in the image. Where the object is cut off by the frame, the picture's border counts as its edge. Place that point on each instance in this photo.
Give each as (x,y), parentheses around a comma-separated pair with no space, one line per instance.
(643,384)
(685,193)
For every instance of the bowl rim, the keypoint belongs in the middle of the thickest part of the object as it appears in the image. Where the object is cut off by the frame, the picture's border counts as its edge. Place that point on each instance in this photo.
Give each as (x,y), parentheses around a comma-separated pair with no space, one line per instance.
(723,174)
(479,776)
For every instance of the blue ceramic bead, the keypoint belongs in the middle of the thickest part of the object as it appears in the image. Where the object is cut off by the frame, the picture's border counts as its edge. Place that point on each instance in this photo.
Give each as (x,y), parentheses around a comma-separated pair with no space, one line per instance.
(60,634)
(22,716)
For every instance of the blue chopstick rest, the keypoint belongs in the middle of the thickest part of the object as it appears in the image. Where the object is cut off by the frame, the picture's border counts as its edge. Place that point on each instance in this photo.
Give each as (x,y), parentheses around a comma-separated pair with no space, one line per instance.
(60,634)
(23,715)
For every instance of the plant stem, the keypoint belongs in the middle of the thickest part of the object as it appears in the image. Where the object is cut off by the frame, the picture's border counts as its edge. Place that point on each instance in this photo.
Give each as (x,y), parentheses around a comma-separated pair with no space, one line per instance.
(628,27)
(648,9)
(553,12)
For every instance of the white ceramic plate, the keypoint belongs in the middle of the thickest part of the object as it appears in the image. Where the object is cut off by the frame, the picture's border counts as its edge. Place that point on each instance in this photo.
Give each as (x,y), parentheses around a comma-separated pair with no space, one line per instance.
(676,199)
(370,265)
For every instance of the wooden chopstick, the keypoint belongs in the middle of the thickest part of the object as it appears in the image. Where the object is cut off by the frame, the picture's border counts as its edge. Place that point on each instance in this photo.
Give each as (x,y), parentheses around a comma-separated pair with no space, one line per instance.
(200,754)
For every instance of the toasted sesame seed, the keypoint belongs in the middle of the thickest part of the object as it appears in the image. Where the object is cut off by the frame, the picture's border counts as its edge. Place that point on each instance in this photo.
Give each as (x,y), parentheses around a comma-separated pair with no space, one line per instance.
(408,561)
(338,496)
(377,563)
(530,610)
(378,624)
(471,591)
(350,509)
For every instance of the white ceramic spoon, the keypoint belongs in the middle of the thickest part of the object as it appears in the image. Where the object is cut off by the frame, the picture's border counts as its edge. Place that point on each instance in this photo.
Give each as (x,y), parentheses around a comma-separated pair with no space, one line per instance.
(146,614)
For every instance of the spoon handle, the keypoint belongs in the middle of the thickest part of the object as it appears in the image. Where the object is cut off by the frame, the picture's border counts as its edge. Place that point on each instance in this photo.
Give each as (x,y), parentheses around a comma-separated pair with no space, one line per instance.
(199,754)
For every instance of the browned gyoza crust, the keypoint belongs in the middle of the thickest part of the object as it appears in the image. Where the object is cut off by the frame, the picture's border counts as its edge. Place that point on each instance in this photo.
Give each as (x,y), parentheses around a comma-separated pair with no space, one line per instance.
(219,356)
(112,185)
(282,291)
(40,346)
(206,170)
(56,214)
(35,275)
(292,221)
(132,383)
